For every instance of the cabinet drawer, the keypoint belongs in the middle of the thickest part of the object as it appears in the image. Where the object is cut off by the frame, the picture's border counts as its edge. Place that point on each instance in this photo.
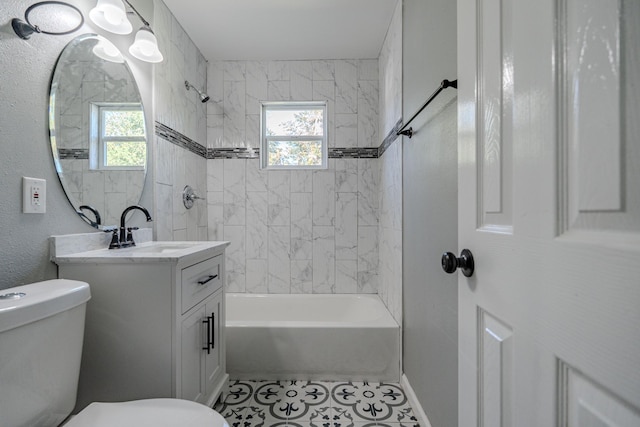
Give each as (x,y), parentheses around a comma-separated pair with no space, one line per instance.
(200,280)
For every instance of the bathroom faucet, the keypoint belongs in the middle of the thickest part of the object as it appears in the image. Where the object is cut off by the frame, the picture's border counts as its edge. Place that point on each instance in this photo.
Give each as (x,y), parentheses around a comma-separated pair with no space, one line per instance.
(126,236)
(95,212)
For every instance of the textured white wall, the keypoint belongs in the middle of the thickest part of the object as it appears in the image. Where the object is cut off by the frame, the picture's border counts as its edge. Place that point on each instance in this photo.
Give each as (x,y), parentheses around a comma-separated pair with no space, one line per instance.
(25,69)
(430,209)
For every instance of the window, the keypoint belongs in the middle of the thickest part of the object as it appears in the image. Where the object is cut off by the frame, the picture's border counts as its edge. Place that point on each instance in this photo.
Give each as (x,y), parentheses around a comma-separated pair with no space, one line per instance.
(293,135)
(118,139)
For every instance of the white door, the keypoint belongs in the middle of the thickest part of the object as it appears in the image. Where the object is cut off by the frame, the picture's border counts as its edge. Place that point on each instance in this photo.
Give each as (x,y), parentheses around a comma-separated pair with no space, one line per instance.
(549,204)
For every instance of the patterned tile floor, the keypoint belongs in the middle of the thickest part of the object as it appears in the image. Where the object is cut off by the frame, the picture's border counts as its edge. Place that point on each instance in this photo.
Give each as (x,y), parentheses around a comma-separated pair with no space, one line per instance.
(316,404)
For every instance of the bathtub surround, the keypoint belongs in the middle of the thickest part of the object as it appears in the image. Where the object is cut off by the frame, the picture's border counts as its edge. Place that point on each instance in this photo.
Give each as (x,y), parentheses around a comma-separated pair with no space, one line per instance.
(317,404)
(310,231)
(178,162)
(390,188)
(304,231)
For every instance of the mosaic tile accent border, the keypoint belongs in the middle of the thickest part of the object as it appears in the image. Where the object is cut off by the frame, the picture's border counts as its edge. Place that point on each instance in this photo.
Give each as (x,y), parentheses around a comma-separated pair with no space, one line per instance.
(73,153)
(233,153)
(316,404)
(175,137)
(390,138)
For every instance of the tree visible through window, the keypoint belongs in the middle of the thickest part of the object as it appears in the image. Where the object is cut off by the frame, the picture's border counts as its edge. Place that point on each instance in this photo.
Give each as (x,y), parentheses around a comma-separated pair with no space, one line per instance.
(123,138)
(118,132)
(294,135)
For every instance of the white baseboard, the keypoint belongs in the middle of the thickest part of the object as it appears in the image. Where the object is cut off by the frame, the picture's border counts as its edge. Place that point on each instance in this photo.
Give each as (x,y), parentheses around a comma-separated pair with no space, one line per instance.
(423,420)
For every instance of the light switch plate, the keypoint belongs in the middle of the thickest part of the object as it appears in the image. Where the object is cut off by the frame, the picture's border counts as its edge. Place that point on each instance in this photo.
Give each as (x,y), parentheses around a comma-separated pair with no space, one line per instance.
(34,195)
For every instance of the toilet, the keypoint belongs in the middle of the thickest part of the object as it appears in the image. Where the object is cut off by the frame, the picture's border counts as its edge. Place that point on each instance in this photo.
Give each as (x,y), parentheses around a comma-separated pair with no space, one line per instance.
(41,333)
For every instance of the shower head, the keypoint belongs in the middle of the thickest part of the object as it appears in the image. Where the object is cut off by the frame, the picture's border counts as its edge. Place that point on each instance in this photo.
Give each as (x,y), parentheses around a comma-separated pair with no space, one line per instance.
(203,96)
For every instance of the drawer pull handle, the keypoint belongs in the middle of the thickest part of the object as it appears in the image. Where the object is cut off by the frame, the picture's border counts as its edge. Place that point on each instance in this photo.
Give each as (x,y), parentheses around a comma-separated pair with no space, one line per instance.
(208,279)
(209,322)
(213,331)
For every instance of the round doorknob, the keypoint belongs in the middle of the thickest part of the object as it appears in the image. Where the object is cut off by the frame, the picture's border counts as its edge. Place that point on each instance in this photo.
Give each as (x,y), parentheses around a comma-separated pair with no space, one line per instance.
(450,263)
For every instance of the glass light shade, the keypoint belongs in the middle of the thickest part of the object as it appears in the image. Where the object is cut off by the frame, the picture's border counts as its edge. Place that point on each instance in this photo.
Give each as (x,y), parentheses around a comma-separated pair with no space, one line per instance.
(111,15)
(145,47)
(106,50)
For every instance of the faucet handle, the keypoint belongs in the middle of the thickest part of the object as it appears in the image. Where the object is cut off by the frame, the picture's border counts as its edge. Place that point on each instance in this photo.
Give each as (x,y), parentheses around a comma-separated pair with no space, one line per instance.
(130,235)
(115,239)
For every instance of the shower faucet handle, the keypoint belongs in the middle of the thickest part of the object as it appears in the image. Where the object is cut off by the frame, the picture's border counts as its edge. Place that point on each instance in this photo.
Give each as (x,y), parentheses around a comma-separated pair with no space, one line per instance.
(189,197)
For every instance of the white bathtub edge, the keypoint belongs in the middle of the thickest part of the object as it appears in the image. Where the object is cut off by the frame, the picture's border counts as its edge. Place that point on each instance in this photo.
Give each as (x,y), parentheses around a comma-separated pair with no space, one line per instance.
(423,420)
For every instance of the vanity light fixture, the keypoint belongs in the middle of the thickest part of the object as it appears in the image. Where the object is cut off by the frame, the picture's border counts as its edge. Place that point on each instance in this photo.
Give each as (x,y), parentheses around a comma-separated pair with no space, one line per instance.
(25,29)
(106,50)
(203,96)
(111,15)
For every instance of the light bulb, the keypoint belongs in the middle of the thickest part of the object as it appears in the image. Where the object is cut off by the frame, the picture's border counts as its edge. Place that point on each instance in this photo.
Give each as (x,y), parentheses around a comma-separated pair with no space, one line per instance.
(145,46)
(110,49)
(112,16)
(106,50)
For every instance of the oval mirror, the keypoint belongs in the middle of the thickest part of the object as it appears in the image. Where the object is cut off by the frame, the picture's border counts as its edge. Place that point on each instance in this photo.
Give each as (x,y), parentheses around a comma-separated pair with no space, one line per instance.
(97,129)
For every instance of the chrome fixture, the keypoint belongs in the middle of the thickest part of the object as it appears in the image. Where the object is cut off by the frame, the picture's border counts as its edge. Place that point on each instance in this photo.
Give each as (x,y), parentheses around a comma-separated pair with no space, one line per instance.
(189,197)
(25,29)
(111,15)
(123,238)
(203,96)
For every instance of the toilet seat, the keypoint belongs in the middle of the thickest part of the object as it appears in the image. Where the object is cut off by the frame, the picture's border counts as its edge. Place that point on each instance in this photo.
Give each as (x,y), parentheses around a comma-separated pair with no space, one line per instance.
(148,413)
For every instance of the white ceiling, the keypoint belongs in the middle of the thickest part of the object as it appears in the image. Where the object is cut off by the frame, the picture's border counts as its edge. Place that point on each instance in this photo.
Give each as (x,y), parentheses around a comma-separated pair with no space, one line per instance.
(285,29)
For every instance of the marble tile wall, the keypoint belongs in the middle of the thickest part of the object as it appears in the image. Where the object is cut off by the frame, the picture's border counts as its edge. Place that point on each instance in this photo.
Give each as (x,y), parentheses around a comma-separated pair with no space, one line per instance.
(390,188)
(88,81)
(182,111)
(295,231)
(349,86)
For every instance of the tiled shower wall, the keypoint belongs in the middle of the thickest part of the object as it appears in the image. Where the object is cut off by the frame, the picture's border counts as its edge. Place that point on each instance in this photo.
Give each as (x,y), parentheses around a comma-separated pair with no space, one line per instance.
(331,231)
(182,111)
(295,231)
(390,188)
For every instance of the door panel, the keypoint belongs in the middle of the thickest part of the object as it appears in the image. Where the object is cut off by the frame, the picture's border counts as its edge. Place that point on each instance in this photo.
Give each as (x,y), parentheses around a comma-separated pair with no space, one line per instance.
(496,370)
(193,339)
(601,163)
(549,204)
(494,111)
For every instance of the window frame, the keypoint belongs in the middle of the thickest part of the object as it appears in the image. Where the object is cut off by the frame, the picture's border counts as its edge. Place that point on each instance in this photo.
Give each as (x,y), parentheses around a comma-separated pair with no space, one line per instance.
(265,139)
(98,145)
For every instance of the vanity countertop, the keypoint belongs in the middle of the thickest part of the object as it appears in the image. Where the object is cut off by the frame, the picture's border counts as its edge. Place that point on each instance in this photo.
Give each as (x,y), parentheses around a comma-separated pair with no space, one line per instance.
(147,252)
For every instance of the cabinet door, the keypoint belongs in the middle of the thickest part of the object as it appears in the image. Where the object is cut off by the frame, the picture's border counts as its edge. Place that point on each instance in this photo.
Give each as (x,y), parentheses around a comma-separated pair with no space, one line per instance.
(212,368)
(193,339)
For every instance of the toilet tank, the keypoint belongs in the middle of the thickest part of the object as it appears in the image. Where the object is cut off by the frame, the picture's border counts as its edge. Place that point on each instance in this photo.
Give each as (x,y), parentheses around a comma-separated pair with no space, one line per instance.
(41,332)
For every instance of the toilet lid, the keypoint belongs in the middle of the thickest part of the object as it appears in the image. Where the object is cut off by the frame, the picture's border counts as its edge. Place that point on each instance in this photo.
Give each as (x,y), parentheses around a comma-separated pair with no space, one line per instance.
(148,413)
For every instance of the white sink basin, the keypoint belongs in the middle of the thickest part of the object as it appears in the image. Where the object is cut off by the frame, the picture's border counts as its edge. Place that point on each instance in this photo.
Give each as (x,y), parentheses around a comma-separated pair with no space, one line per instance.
(162,247)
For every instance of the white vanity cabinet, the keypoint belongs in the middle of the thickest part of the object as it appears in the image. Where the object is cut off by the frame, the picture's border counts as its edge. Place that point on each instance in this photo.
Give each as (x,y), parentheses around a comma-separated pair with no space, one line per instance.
(200,356)
(155,323)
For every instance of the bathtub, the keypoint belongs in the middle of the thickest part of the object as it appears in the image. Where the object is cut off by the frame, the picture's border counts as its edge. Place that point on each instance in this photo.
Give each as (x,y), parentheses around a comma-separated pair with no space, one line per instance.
(314,337)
